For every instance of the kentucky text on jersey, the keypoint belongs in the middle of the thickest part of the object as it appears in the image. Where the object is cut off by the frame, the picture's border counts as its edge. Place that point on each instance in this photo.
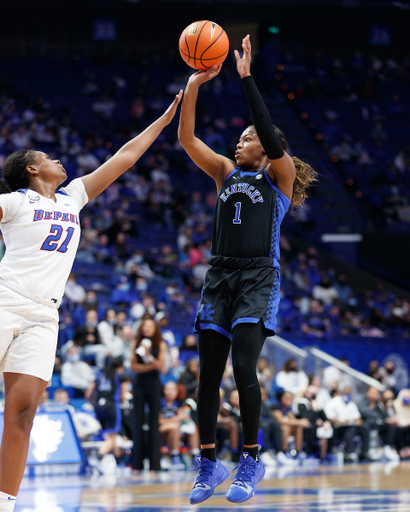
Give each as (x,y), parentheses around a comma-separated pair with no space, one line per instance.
(63,217)
(244,188)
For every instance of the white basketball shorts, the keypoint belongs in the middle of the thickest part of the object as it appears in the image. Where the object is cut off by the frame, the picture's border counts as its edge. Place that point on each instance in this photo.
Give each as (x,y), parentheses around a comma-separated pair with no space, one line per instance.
(28,335)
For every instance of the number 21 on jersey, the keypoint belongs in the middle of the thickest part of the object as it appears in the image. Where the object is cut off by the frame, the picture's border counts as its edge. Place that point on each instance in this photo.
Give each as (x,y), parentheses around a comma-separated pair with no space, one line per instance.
(237,218)
(56,231)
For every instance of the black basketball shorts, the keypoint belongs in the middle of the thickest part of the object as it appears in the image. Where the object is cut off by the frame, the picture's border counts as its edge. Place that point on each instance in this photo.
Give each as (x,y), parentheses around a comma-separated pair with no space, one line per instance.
(239,290)
(108,413)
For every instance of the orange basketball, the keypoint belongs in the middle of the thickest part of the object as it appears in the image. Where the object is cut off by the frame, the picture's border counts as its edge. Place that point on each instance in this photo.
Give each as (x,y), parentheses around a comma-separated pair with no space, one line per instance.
(203,44)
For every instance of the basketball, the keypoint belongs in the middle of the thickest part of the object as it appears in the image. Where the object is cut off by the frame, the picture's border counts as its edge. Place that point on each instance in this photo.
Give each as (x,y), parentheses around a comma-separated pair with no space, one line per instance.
(203,44)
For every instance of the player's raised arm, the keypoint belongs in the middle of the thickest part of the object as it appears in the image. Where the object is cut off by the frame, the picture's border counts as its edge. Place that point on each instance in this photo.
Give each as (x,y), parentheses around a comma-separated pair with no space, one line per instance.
(217,166)
(101,178)
(282,167)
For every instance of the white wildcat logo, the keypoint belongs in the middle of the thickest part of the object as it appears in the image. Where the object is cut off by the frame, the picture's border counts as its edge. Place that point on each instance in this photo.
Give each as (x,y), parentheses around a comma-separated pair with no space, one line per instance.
(46,437)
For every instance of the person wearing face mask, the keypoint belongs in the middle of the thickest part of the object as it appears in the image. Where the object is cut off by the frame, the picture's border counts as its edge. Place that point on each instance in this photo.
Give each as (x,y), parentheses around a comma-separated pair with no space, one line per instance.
(320,428)
(347,423)
(291,379)
(375,416)
(109,331)
(402,409)
(76,373)
(388,377)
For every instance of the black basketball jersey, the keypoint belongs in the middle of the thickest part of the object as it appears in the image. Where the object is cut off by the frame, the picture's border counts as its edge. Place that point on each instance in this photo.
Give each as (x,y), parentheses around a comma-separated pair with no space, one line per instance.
(108,388)
(247,216)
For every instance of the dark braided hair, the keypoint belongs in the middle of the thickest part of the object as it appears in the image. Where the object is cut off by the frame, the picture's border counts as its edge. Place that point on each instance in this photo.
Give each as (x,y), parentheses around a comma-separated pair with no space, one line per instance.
(15,175)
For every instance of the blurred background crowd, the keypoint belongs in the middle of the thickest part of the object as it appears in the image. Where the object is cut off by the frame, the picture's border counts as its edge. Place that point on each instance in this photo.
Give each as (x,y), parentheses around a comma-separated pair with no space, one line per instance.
(136,282)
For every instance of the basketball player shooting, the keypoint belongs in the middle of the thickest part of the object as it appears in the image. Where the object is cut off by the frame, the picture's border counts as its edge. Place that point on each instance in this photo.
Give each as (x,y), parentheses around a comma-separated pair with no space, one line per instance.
(41,230)
(241,290)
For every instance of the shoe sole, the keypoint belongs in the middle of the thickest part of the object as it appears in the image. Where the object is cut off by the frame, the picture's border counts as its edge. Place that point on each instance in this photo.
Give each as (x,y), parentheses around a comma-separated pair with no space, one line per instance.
(221,480)
(246,498)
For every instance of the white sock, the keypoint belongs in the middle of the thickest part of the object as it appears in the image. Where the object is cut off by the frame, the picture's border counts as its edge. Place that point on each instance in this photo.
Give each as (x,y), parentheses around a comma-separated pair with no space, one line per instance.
(7,502)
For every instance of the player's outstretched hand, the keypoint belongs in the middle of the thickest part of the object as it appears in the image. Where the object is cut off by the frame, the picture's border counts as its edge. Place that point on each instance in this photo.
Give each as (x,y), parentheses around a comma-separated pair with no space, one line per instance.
(243,65)
(201,77)
(169,114)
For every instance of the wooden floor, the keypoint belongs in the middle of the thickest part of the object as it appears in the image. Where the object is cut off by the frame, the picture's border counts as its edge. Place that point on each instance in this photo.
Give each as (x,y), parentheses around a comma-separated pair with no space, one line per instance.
(350,488)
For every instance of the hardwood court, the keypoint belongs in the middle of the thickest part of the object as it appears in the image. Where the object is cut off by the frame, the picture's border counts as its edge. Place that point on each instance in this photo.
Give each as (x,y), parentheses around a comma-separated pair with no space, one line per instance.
(350,488)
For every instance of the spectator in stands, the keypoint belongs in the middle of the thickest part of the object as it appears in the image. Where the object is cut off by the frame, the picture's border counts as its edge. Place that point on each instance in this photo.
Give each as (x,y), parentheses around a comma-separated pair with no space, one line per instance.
(388,377)
(375,418)
(271,431)
(335,379)
(320,430)
(94,350)
(148,355)
(61,396)
(290,379)
(188,349)
(343,290)
(227,427)
(190,378)
(325,292)
(347,422)
(74,292)
(264,373)
(175,422)
(317,323)
(76,373)
(402,410)
(108,331)
(290,426)
(322,394)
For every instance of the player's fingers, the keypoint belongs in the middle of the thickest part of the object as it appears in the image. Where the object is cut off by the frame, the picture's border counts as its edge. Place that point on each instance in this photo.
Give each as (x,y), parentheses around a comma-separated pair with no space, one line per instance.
(237,56)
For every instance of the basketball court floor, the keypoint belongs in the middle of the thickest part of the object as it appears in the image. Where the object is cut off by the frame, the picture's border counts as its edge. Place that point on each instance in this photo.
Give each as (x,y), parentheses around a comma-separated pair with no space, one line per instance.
(373,487)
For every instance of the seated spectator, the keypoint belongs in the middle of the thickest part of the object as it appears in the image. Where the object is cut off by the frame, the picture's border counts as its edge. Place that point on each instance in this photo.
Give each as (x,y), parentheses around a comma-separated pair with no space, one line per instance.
(402,410)
(290,379)
(227,427)
(375,417)
(322,394)
(61,396)
(290,426)
(190,378)
(388,377)
(325,292)
(335,379)
(76,373)
(74,292)
(272,432)
(188,349)
(108,331)
(94,350)
(175,422)
(316,321)
(264,373)
(347,423)
(320,429)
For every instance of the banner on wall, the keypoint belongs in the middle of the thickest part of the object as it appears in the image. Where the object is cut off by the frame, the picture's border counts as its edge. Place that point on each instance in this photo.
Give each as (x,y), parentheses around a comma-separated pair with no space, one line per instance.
(53,440)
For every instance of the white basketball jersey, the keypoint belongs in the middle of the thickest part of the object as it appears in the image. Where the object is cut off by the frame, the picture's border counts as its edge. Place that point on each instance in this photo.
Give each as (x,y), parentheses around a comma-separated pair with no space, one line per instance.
(41,238)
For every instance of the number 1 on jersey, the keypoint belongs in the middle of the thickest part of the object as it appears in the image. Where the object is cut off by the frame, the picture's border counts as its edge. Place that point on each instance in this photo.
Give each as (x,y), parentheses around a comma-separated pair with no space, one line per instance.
(237,219)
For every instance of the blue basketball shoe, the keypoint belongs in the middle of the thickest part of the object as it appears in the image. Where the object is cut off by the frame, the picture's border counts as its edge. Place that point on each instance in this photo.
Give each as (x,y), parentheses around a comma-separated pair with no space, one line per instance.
(249,474)
(210,475)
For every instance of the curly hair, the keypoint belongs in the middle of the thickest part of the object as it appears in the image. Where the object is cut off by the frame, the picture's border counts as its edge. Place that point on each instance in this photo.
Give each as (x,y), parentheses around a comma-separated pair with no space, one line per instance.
(15,175)
(306,176)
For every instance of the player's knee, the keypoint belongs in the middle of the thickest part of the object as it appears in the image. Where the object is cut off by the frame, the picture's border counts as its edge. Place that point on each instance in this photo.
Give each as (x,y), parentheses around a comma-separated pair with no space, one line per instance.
(244,375)
(21,418)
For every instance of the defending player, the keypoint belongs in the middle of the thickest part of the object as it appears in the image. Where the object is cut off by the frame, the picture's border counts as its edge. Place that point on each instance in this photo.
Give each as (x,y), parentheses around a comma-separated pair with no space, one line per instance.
(241,290)
(41,231)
